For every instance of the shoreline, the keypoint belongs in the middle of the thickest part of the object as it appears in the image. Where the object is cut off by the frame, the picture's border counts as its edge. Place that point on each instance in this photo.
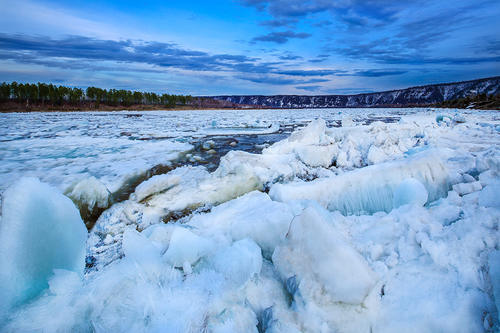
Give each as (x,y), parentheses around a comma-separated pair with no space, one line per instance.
(233,108)
(19,107)
(118,109)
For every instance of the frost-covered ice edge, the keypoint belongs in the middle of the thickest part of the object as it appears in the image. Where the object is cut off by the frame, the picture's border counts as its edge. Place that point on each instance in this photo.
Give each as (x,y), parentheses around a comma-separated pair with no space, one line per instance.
(376,228)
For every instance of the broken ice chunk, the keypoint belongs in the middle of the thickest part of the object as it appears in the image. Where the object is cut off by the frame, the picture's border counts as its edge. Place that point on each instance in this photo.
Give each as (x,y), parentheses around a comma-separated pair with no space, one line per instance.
(410,191)
(466,188)
(489,196)
(316,252)
(239,262)
(138,248)
(186,246)
(41,230)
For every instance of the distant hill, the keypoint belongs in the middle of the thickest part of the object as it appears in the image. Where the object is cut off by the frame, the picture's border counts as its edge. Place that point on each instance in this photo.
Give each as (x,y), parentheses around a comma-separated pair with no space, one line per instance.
(433,94)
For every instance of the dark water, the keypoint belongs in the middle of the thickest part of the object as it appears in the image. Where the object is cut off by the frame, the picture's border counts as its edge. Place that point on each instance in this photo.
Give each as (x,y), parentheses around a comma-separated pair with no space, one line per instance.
(206,155)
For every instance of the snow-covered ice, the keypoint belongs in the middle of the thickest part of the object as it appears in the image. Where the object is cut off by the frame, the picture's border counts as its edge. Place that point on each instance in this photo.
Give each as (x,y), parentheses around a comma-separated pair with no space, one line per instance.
(361,220)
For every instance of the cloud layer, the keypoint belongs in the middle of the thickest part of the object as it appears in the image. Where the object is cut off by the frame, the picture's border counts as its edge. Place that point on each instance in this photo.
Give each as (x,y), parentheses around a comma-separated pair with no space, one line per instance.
(256,46)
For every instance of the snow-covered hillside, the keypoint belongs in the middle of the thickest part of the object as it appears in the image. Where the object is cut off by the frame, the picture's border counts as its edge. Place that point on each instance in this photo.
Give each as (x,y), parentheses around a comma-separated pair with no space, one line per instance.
(405,97)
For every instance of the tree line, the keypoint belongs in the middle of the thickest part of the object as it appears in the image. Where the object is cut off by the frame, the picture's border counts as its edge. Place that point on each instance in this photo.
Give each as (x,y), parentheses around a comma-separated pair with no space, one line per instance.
(57,95)
(477,101)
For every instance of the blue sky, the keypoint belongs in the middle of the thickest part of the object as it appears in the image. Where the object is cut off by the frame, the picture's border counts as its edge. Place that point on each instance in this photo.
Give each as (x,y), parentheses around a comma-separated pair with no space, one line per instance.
(249,46)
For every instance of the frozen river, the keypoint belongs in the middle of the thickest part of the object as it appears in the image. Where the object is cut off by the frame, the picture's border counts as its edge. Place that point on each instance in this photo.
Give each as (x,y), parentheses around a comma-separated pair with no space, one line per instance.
(61,148)
(320,220)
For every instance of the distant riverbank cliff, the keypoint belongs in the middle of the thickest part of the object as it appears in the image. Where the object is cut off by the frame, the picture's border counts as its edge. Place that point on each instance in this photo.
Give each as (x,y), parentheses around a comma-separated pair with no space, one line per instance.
(481,93)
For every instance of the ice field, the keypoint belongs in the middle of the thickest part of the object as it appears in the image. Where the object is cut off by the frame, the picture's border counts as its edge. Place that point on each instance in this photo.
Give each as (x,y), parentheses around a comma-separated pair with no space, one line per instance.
(320,220)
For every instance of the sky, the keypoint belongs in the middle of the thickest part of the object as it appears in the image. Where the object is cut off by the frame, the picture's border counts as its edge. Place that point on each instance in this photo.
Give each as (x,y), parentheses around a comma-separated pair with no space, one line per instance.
(233,47)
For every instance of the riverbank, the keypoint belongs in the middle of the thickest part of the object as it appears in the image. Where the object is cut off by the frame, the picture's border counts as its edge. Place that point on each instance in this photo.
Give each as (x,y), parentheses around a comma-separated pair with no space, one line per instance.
(8,107)
(14,107)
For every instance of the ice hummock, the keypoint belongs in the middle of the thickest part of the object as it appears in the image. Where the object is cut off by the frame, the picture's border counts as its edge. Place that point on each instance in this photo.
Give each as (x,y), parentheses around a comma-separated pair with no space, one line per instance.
(40,231)
(253,215)
(318,257)
(186,248)
(380,187)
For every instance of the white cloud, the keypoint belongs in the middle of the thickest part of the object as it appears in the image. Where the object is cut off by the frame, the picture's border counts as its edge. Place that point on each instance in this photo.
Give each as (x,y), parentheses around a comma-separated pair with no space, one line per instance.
(49,19)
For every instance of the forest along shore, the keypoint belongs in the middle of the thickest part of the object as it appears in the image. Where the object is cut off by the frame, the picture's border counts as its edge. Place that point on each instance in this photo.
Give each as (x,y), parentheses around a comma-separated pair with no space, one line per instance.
(25,97)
